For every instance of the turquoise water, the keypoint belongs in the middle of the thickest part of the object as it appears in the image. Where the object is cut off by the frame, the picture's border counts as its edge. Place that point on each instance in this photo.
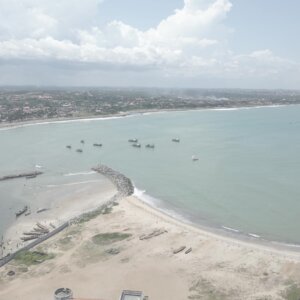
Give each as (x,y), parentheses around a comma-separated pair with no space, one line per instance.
(246,178)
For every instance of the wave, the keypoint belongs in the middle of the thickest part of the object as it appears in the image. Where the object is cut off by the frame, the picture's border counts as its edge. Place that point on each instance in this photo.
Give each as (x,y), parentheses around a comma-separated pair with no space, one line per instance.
(254,235)
(230,229)
(80,173)
(72,183)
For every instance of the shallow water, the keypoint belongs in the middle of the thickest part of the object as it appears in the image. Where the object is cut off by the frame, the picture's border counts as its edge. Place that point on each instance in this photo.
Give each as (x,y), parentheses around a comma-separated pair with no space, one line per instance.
(246,178)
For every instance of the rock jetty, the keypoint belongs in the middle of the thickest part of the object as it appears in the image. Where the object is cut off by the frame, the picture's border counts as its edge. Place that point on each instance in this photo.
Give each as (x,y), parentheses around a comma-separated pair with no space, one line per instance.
(122,183)
(14,176)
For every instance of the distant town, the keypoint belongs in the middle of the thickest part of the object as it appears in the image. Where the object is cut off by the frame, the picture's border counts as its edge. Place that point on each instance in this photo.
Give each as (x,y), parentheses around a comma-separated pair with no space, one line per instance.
(26,104)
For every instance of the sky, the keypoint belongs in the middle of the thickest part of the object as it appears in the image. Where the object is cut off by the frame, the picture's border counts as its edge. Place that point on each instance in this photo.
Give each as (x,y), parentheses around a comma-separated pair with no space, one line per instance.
(150,43)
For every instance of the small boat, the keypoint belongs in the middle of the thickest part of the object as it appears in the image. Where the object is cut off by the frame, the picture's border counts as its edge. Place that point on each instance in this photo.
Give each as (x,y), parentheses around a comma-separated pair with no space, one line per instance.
(176,140)
(194,158)
(136,145)
(79,150)
(40,210)
(179,249)
(82,141)
(152,146)
(29,238)
(22,211)
(69,146)
(133,140)
(97,145)
(188,251)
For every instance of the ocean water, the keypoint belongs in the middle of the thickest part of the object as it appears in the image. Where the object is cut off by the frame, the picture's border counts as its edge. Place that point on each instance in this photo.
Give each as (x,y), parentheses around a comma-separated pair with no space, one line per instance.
(246,179)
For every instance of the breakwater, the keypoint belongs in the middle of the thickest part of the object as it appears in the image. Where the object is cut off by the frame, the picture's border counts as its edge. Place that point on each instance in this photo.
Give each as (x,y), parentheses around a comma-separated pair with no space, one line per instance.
(124,187)
(123,184)
(20,175)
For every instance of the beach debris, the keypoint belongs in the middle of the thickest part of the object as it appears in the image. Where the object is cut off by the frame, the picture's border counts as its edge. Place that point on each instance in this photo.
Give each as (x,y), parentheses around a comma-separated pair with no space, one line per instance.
(176,140)
(52,225)
(188,250)
(22,211)
(11,273)
(179,249)
(43,227)
(113,251)
(153,234)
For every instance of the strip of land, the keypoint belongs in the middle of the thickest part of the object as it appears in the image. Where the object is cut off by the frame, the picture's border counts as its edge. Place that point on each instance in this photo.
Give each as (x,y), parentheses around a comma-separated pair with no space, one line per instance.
(133,246)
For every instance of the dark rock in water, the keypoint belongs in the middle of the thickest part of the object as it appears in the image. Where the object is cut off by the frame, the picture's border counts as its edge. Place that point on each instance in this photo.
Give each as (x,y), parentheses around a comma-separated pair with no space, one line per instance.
(11,273)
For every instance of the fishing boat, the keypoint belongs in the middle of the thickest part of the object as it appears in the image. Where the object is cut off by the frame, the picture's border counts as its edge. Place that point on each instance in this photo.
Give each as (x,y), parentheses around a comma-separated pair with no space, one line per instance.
(133,140)
(194,158)
(82,141)
(97,145)
(22,211)
(69,146)
(136,145)
(79,150)
(176,140)
(152,146)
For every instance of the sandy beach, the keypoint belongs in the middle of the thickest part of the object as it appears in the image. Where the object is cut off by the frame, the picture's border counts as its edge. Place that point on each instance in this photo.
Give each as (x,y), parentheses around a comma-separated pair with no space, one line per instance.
(66,203)
(94,266)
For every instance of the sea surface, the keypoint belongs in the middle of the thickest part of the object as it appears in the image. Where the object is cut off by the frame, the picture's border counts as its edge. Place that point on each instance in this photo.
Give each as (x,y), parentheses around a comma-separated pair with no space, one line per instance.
(247,178)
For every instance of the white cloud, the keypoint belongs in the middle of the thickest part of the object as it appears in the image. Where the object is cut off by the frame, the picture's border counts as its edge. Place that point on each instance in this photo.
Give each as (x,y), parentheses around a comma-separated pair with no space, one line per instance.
(190,42)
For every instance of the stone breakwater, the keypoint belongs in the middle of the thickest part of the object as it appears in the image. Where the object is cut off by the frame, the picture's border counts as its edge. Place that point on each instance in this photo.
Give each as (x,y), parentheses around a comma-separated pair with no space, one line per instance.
(123,184)
(125,188)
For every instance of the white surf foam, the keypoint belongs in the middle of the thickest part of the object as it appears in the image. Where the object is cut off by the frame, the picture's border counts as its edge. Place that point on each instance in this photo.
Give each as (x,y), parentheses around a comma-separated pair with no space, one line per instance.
(72,183)
(80,173)
(230,229)
(254,235)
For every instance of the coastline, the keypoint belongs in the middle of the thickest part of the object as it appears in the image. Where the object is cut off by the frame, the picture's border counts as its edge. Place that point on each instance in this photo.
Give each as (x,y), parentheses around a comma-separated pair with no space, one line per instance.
(34,122)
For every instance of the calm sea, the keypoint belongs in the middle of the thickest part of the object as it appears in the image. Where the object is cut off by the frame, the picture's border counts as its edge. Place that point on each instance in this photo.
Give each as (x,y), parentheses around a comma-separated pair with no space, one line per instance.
(247,176)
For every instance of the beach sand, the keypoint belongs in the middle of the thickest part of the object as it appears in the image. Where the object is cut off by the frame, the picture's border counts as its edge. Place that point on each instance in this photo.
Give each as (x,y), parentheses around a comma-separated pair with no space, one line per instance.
(100,268)
(67,201)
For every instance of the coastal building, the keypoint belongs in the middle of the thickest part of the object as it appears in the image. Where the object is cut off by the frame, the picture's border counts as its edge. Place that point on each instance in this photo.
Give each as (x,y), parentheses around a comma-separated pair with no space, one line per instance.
(133,295)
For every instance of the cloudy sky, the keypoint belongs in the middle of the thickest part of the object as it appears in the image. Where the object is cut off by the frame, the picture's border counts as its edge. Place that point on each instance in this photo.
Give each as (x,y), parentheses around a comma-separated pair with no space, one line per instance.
(171,43)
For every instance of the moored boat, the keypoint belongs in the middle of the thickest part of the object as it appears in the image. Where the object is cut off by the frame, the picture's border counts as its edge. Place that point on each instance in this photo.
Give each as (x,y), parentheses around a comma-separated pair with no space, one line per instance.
(79,150)
(22,211)
(152,146)
(97,145)
(69,146)
(136,145)
(176,140)
(133,140)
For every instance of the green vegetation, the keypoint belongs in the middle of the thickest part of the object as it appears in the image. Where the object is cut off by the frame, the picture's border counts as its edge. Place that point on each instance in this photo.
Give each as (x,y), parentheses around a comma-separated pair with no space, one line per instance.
(29,258)
(109,238)
(292,292)
(94,214)
(203,289)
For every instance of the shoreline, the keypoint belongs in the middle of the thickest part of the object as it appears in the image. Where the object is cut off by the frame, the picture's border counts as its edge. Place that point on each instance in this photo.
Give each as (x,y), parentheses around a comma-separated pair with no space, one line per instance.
(122,188)
(35,122)
(215,229)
